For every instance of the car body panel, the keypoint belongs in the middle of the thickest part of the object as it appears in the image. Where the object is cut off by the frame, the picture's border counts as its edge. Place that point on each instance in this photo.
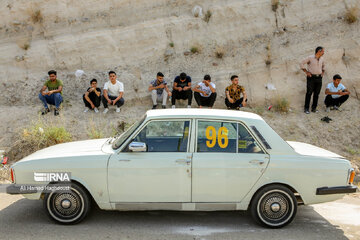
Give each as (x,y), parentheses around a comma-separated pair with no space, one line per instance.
(211,181)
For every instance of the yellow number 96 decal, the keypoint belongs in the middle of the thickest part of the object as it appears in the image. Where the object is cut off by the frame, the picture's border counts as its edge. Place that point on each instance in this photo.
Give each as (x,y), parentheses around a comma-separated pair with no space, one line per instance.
(223,139)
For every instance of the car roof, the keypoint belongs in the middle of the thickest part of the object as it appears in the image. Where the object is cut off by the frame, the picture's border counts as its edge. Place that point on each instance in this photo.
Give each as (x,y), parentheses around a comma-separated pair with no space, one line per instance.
(197,112)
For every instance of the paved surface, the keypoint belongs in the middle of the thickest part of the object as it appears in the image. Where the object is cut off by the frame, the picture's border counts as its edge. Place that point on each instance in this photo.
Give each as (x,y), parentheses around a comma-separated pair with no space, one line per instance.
(25,219)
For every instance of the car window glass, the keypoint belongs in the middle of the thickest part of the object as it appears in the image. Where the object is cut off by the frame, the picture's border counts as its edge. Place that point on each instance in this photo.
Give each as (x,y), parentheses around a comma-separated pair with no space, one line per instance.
(246,143)
(165,136)
(214,136)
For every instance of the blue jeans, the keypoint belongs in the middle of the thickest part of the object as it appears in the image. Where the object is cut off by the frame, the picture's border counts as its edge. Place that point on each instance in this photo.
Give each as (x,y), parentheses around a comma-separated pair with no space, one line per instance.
(53,99)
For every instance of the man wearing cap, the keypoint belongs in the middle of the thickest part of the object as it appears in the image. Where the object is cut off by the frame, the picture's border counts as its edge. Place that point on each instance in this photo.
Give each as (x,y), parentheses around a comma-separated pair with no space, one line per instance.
(314,73)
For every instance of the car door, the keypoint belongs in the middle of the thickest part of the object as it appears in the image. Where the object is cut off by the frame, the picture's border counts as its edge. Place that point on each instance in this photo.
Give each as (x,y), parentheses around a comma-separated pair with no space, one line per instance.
(227,162)
(160,174)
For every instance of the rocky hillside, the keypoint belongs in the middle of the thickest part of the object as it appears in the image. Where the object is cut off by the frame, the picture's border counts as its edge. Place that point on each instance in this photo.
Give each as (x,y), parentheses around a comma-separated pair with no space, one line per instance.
(260,40)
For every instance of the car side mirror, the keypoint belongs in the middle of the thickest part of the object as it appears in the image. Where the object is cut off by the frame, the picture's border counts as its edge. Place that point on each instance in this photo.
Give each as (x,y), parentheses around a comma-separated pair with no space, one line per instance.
(137,147)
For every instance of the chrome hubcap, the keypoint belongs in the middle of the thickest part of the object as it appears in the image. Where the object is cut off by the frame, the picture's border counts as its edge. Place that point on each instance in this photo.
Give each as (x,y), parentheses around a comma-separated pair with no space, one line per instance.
(66,203)
(275,207)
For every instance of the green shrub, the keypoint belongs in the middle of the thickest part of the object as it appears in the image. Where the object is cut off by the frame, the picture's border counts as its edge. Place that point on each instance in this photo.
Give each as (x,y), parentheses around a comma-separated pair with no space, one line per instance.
(207,16)
(281,105)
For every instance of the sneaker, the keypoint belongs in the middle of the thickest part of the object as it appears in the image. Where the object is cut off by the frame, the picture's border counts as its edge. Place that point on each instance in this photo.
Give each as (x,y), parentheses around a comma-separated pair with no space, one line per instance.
(188,106)
(173,106)
(96,110)
(117,109)
(306,111)
(86,110)
(154,106)
(336,107)
(56,112)
(45,111)
(327,109)
(314,110)
(163,106)
(106,110)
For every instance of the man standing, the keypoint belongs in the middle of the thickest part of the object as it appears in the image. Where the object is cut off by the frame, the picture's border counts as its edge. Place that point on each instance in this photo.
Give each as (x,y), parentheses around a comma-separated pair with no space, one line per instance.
(336,94)
(113,93)
(314,73)
(182,89)
(205,93)
(157,88)
(233,93)
(92,97)
(54,94)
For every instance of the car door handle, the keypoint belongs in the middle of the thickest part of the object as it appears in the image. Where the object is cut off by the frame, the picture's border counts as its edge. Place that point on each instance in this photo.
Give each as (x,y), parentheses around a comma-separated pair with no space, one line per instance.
(183,161)
(258,162)
(124,160)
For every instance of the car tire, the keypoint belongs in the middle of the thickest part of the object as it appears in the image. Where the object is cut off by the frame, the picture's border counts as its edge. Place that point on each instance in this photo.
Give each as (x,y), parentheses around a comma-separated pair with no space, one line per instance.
(273,206)
(69,206)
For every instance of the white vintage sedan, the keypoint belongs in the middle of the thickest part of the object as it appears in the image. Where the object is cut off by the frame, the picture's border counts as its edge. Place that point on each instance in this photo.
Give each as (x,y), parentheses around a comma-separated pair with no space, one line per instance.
(185,160)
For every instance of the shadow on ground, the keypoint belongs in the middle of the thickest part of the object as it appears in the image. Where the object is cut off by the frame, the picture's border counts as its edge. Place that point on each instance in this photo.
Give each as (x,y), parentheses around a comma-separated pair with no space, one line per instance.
(27,219)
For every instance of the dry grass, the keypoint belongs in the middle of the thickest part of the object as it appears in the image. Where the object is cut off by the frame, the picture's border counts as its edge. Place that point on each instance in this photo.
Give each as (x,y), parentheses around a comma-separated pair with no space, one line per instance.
(281,105)
(36,16)
(207,16)
(351,14)
(219,52)
(36,136)
(275,5)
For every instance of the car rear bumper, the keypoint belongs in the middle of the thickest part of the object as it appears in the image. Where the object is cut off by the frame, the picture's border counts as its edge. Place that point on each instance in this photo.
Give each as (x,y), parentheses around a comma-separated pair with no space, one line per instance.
(336,190)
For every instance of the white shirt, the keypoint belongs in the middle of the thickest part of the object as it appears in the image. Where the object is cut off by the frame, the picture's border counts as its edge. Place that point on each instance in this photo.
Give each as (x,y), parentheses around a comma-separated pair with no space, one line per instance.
(332,88)
(206,89)
(114,89)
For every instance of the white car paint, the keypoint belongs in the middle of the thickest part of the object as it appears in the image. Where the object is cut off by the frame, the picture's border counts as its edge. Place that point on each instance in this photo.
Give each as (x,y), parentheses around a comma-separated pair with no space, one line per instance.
(209,182)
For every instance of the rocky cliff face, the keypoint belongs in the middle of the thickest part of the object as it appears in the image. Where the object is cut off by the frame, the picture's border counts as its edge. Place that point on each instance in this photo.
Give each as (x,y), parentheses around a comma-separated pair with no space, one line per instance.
(260,40)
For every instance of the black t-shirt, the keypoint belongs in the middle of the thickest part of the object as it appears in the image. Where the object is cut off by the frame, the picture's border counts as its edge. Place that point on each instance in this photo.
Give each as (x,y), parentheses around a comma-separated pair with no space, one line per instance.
(183,84)
(91,93)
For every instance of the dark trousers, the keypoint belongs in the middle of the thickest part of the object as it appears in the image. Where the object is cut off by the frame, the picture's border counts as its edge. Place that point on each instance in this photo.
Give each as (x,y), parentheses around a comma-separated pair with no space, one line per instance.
(313,87)
(118,103)
(329,101)
(94,98)
(181,95)
(205,101)
(237,104)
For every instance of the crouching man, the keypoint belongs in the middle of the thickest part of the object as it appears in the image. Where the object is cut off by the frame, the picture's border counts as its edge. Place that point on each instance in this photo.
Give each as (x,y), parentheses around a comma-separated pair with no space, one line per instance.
(205,93)
(54,94)
(336,94)
(92,97)
(113,93)
(159,90)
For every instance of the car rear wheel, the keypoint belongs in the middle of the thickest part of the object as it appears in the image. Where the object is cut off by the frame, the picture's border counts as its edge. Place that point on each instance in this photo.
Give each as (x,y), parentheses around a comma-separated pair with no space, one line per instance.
(69,206)
(274,206)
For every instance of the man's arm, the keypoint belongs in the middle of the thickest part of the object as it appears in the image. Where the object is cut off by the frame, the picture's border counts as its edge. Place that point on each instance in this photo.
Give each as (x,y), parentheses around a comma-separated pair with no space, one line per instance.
(244,99)
(55,91)
(302,66)
(176,87)
(323,68)
(188,86)
(106,96)
(196,89)
(228,97)
(42,90)
(98,93)
(168,91)
(212,89)
(343,92)
(118,98)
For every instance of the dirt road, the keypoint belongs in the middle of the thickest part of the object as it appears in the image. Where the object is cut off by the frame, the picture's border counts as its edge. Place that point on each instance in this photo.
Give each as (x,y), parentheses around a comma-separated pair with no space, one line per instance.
(25,219)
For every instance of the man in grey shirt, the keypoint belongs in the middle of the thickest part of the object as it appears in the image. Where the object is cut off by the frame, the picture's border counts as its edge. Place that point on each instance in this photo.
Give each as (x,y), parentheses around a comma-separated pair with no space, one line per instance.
(314,73)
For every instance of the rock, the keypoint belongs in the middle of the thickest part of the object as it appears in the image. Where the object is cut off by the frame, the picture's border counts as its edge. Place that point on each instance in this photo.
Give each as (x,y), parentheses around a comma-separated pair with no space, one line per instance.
(19,58)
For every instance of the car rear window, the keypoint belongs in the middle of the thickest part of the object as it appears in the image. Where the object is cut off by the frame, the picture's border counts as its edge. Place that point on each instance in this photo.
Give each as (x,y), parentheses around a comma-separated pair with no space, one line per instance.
(262,139)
